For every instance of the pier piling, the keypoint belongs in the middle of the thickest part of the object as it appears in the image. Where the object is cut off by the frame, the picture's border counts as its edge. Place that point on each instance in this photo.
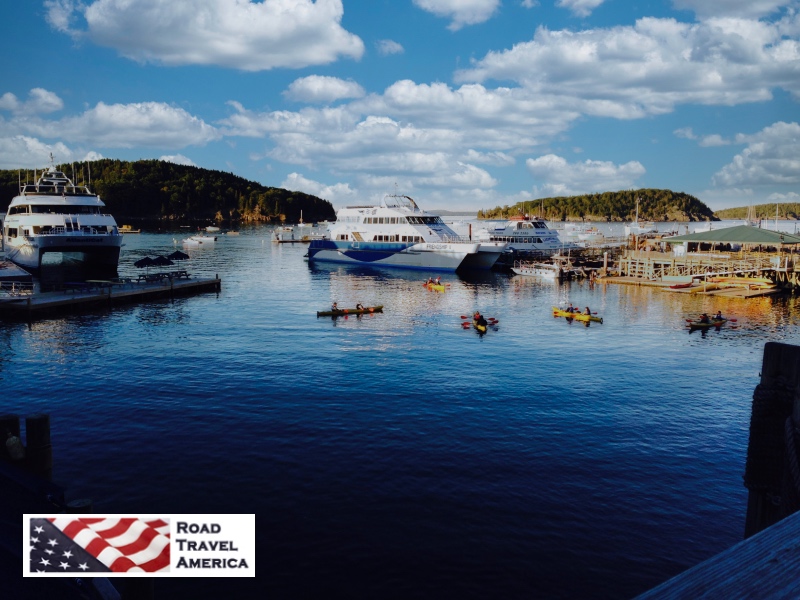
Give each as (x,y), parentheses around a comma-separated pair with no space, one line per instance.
(40,452)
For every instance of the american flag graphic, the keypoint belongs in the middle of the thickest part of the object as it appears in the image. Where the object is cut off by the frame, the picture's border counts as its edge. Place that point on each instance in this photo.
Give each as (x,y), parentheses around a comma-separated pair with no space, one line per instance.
(91,545)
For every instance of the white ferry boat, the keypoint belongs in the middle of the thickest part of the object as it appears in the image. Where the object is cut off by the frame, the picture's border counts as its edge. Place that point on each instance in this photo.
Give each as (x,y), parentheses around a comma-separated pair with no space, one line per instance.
(397,233)
(525,234)
(55,215)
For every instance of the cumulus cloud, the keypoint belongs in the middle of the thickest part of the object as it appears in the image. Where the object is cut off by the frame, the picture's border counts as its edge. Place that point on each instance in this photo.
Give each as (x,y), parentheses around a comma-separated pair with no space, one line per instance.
(559,177)
(40,101)
(27,152)
(462,12)
(238,34)
(630,72)
(752,9)
(317,88)
(151,124)
(580,8)
(386,47)
(530,3)
(178,159)
(772,157)
(337,194)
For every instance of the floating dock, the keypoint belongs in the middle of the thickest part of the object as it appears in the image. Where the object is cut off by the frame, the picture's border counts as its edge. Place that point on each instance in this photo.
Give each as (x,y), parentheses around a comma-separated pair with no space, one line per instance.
(27,304)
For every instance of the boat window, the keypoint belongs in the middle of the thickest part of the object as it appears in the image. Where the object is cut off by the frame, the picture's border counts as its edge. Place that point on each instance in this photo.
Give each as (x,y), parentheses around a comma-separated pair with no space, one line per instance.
(12,232)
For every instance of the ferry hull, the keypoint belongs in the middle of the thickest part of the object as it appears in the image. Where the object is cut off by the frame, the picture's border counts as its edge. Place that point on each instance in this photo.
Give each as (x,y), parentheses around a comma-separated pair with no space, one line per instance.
(425,256)
(485,258)
(98,250)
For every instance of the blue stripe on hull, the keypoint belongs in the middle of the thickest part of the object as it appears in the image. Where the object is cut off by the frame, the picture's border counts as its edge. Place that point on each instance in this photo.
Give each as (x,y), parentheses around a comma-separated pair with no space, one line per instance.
(365,253)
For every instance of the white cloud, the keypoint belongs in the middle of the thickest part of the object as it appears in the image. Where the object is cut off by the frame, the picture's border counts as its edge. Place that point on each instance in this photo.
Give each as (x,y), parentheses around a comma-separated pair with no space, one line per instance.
(580,8)
(40,101)
(559,177)
(386,47)
(151,124)
(497,159)
(685,133)
(772,157)
(629,72)
(712,140)
(339,193)
(178,159)
(462,12)
(238,34)
(530,3)
(317,88)
(26,152)
(752,9)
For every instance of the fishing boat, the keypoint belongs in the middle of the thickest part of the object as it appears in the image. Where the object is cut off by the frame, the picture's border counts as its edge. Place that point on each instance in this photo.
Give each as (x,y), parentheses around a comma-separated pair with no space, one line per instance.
(343,312)
(128,229)
(578,316)
(397,233)
(55,215)
(212,229)
(525,234)
(534,269)
(638,227)
(583,233)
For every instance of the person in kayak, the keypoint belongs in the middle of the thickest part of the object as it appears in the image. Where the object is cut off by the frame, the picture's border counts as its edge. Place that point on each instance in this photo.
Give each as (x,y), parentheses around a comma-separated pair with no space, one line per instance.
(704,318)
(718,316)
(570,308)
(479,319)
(359,306)
(587,312)
(334,306)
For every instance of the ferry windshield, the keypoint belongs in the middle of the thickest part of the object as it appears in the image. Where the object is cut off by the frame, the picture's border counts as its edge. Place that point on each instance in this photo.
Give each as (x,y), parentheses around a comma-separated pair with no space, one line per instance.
(53,209)
(425,220)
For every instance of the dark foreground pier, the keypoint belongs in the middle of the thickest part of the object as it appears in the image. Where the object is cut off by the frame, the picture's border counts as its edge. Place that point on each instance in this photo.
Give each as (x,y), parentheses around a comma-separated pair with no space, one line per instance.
(766,564)
(25,304)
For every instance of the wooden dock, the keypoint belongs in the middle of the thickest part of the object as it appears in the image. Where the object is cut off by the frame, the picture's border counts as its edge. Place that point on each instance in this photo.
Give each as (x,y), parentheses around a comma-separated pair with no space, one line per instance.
(766,565)
(702,289)
(100,294)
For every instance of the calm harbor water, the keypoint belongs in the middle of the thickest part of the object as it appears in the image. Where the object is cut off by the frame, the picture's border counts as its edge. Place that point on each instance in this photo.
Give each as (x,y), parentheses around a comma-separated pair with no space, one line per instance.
(398,455)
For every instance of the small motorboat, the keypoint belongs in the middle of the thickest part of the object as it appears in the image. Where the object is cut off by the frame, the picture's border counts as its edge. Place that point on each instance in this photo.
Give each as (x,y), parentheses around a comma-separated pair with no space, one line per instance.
(200,240)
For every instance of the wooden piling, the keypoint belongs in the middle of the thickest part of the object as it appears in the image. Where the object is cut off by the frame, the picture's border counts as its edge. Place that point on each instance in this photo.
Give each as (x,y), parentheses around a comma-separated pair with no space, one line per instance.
(772,472)
(40,452)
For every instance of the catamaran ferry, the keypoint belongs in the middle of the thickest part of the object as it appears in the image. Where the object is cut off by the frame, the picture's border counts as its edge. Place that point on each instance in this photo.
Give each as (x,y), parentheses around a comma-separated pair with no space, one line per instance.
(55,215)
(525,234)
(397,233)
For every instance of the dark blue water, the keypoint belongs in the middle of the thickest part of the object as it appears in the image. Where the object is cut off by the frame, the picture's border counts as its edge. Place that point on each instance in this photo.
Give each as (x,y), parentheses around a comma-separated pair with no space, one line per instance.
(398,455)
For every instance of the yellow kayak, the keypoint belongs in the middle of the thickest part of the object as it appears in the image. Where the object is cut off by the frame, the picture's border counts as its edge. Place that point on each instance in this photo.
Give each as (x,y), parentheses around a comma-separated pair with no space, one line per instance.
(436,287)
(557,312)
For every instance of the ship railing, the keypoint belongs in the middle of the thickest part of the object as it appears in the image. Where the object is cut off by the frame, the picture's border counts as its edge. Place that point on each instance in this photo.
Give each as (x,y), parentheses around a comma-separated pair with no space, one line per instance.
(15,289)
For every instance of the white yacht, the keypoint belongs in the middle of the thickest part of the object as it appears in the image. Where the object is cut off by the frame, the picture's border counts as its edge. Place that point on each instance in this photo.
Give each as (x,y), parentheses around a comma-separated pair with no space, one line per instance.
(397,233)
(525,234)
(55,215)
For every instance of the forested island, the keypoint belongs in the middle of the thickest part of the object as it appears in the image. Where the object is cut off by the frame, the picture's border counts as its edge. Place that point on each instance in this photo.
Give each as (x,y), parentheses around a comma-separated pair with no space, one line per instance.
(758,212)
(155,190)
(653,205)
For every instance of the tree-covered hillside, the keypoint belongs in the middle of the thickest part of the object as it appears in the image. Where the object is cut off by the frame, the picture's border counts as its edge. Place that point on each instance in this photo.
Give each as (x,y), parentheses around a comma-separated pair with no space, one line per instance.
(154,189)
(788,210)
(654,205)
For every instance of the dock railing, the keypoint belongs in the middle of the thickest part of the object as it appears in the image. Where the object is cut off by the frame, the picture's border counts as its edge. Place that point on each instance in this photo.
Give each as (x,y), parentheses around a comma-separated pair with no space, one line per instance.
(15,289)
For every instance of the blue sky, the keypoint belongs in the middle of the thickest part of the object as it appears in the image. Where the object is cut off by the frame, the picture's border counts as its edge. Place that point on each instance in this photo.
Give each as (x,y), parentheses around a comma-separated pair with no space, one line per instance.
(461,104)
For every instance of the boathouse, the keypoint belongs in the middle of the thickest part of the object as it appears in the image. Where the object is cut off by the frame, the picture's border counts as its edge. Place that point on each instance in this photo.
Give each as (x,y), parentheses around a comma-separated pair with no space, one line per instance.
(741,251)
